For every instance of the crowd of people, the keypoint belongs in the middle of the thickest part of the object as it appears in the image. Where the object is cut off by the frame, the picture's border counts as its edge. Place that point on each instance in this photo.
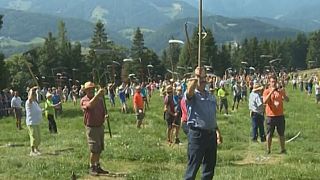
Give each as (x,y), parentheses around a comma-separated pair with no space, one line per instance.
(190,104)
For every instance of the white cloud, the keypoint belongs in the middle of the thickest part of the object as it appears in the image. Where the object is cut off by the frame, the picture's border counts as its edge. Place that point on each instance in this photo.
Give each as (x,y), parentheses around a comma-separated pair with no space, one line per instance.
(99,13)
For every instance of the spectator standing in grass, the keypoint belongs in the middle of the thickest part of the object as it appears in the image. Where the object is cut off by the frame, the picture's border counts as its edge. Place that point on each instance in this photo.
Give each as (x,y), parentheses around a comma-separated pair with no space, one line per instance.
(49,113)
(204,134)
(169,112)
(94,116)
(138,106)
(17,109)
(273,98)
(256,108)
(33,119)
(222,94)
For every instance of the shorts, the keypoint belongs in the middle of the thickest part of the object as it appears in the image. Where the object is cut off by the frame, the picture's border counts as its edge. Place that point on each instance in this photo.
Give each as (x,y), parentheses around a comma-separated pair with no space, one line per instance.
(275,122)
(139,116)
(17,113)
(169,119)
(177,119)
(95,137)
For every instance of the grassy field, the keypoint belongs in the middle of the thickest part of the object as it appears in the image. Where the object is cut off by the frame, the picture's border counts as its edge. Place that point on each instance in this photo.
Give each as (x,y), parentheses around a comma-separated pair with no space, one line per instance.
(144,153)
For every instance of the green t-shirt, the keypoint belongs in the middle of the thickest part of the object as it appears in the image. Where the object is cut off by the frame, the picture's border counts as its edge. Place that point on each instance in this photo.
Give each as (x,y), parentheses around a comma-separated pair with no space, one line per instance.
(222,93)
(48,107)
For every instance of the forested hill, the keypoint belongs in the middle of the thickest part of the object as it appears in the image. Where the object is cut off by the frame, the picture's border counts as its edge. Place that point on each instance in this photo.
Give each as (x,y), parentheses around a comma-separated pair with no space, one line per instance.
(224,29)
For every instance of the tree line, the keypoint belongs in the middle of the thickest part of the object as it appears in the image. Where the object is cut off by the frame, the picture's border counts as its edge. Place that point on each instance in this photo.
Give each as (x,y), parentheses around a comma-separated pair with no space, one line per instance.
(61,62)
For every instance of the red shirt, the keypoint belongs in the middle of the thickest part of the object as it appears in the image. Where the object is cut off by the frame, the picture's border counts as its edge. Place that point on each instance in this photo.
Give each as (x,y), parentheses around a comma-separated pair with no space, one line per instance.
(168,101)
(183,106)
(94,116)
(274,107)
(137,101)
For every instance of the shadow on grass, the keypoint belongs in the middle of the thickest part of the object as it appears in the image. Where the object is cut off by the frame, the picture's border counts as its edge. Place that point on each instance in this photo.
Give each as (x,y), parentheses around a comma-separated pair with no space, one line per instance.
(70,113)
(59,151)
(11,145)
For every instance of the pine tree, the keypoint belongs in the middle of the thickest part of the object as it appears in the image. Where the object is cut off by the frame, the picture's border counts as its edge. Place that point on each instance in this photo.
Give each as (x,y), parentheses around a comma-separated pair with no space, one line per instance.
(4,75)
(209,55)
(299,51)
(100,53)
(137,53)
(313,55)
(48,56)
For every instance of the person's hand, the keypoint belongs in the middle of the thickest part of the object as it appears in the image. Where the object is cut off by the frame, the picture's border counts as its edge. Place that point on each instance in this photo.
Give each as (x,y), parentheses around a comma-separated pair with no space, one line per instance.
(175,114)
(219,138)
(101,92)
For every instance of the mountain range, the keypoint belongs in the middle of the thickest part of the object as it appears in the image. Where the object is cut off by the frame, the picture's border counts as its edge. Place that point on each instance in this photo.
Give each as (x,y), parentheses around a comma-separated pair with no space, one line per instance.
(288,13)
(158,19)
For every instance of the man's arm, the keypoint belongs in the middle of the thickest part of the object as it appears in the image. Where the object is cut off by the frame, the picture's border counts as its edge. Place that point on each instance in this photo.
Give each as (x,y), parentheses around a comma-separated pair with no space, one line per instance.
(266,99)
(219,136)
(94,100)
(192,84)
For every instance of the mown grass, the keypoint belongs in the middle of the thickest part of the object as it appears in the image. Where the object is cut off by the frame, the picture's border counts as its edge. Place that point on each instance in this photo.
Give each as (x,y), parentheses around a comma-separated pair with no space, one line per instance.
(144,154)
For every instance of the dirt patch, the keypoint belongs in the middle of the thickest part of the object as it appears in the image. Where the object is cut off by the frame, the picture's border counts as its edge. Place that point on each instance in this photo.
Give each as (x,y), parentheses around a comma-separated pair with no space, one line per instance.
(256,158)
(101,177)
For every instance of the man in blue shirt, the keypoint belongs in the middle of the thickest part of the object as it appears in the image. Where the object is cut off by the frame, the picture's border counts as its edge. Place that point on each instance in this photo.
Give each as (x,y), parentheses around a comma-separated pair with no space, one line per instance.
(204,134)
(256,108)
(56,99)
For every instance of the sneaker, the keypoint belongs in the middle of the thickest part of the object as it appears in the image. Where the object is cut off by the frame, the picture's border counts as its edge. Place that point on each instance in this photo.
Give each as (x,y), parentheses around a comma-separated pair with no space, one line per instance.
(37,152)
(177,141)
(93,171)
(33,154)
(283,151)
(100,170)
(268,151)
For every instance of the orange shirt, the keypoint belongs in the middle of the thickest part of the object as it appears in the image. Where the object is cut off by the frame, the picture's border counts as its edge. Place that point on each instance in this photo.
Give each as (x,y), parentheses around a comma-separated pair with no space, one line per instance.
(138,101)
(274,107)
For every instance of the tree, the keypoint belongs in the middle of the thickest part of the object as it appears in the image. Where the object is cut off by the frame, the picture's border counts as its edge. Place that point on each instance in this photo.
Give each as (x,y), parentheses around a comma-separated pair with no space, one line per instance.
(100,53)
(48,56)
(4,75)
(299,51)
(137,53)
(1,22)
(224,59)
(189,53)
(314,50)
(100,38)
(20,77)
(210,49)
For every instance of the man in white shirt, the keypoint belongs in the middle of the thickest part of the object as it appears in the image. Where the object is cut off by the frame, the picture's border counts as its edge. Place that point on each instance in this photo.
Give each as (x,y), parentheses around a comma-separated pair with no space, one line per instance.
(17,108)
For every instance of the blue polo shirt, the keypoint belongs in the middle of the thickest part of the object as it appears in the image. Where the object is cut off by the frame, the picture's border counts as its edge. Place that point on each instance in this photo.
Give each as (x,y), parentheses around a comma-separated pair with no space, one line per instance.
(202,111)
(56,99)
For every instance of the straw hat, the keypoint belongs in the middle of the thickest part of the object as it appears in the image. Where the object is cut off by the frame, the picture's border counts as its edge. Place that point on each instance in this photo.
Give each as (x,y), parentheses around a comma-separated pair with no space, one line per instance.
(48,95)
(257,87)
(88,85)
